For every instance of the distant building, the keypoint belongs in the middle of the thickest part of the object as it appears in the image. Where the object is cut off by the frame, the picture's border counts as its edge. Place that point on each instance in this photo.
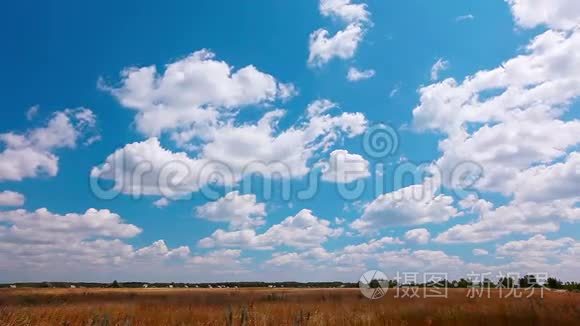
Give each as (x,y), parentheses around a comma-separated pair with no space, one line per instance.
(13,286)
(170,286)
(145,285)
(72,286)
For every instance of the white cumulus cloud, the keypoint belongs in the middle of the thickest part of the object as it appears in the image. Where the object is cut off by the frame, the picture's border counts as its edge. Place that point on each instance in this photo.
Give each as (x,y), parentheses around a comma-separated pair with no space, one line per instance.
(355,75)
(240,211)
(324,47)
(413,205)
(344,167)
(11,198)
(31,154)
(420,236)
(344,10)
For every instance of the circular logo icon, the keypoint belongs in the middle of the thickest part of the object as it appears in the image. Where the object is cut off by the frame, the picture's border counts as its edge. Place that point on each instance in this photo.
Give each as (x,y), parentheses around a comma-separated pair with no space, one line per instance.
(373,284)
(380,141)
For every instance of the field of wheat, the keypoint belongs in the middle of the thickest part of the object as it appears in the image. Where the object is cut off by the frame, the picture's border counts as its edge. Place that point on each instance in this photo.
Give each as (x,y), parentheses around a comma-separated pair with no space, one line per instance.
(276,307)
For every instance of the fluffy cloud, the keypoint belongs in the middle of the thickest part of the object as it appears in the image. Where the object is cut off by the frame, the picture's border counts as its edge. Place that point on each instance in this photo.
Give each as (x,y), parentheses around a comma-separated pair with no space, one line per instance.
(538,254)
(221,261)
(309,260)
(11,198)
(193,93)
(559,181)
(421,261)
(289,150)
(473,204)
(42,225)
(464,18)
(196,102)
(420,236)
(344,10)
(344,167)
(479,252)
(319,107)
(512,122)
(343,44)
(507,119)
(31,154)
(356,75)
(505,150)
(371,246)
(536,247)
(161,202)
(230,153)
(240,211)
(32,112)
(558,257)
(438,67)
(149,169)
(532,83)
(413,205)
(558,14)
(159,249)
(324,47)
(302,230)
(356,259)
(526,217)
(91,246)
(42,238)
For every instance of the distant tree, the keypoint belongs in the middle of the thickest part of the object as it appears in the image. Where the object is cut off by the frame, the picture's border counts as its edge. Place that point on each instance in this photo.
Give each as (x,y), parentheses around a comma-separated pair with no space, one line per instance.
(487,283)
(528,281)
(507,282)
(374,284)
(115,284)
(554,283)
(463,283)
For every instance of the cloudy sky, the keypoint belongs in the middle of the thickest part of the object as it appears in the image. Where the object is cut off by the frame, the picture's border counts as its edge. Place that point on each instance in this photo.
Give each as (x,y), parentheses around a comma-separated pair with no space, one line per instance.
(288,140)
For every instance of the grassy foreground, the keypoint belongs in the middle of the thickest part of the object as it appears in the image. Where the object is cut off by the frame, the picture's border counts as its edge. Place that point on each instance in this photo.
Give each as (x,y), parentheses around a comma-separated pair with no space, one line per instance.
(276,307)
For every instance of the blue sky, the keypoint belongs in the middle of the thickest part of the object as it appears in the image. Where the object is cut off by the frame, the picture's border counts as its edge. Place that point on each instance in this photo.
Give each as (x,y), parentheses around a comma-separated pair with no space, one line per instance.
(488,86)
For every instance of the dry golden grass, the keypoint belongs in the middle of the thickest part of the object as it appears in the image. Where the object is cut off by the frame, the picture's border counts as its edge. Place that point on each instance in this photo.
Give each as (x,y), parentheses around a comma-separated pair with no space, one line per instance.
(275,307)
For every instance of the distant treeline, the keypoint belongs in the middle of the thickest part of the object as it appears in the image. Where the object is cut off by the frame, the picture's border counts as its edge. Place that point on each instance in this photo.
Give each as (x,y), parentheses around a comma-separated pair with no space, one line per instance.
(116,284)
(506,282)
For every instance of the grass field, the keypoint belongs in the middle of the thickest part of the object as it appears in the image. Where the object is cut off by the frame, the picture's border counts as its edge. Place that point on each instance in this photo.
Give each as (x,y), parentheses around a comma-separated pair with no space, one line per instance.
(276,307)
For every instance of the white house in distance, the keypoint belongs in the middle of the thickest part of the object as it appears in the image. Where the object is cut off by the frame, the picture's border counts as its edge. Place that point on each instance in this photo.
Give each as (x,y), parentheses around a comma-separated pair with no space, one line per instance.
(145,286)
(12,286)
